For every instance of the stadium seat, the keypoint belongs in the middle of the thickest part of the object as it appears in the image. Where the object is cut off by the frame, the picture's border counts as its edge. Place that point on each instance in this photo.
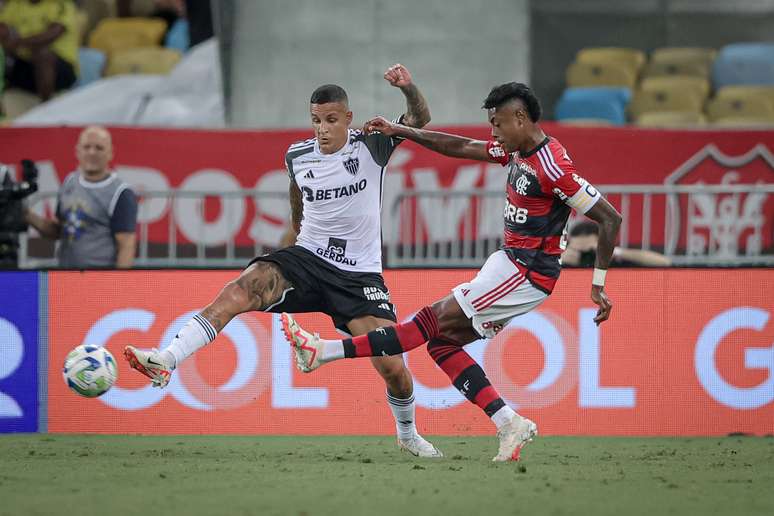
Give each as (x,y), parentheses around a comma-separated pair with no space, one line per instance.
(114,34)
(177,36)
(91,63)
(745,91)
(697,85)
(600,74)
(630,57)
(603,103)
(682,68)
(740,107)
(151,60)
(744,63)
(683,55)
(671,119)
(668,100)
(588,122)
(760,122)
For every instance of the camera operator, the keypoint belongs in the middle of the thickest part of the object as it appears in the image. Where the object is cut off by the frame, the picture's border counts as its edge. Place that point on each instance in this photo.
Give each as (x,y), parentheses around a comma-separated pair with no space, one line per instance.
(582,245)
(96,211)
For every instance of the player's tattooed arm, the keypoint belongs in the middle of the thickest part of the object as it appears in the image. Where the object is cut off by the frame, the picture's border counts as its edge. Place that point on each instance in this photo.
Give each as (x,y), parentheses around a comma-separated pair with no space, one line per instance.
(296,213)
(417,112)
(446,144)
(609,220)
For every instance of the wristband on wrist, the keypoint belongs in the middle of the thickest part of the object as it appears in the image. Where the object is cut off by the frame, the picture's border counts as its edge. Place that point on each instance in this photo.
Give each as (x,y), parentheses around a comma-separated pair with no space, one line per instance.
(598,279)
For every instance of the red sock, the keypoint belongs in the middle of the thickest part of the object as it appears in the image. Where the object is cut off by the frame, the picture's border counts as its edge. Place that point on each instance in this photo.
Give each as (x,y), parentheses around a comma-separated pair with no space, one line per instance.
(466,375)
(394,340)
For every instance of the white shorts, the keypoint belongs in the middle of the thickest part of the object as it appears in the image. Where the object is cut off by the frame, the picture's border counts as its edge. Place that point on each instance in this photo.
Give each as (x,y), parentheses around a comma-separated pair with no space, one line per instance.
(497,294)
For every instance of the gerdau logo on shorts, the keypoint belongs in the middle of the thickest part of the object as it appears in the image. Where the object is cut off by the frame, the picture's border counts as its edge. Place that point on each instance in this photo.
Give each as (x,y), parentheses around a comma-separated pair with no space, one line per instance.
(337,248)
(333,193)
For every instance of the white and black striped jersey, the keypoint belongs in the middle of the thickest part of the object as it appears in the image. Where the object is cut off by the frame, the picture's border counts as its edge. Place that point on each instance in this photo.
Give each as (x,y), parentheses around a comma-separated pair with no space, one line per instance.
(342,196)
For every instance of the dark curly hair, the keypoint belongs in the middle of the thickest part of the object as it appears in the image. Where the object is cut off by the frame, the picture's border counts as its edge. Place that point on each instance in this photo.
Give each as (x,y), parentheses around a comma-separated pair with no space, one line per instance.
(514,90)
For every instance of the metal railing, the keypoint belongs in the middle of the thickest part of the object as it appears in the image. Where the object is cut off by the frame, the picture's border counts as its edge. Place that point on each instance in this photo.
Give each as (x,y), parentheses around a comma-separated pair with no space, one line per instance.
(692,224)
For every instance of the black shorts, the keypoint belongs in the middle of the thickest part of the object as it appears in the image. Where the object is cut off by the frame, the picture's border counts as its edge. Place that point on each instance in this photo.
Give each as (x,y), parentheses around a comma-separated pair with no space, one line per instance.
(22,75)
(321,287)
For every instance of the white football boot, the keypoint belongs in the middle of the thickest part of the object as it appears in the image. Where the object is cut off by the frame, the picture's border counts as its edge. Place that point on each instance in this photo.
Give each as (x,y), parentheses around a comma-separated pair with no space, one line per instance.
(149,364)
(307,347)
(513,436)
(419,447)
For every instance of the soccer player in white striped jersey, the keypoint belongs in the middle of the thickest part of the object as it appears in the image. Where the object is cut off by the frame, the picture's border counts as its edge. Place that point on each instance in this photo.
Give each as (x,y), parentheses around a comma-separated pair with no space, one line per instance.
(334,266)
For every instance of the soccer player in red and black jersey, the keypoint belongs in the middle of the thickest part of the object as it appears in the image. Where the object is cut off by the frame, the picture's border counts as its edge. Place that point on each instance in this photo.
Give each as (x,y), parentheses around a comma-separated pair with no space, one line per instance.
(543,186)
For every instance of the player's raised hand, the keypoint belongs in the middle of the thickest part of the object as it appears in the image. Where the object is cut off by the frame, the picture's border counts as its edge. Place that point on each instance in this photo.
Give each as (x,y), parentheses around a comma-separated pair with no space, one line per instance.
(379,124)
(605,305)
(398,75)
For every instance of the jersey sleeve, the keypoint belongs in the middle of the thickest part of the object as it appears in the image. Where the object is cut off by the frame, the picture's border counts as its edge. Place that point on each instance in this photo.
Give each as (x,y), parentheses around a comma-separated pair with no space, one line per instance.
(382,146)
(496,153)
(289,168)
(124,217)
(567,185)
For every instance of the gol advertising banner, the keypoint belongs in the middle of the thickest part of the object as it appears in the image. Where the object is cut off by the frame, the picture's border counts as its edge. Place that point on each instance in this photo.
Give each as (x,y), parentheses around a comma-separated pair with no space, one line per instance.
(19,351)
(687,352)
(229,161)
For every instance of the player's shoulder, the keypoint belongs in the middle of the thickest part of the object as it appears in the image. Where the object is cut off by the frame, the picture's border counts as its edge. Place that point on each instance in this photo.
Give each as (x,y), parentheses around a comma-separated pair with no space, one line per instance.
(300,148)
(554,159)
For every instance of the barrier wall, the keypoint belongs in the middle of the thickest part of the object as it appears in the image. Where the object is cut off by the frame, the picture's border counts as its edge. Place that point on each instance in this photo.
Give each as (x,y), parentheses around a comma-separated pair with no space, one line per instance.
(216,161)
(687,352)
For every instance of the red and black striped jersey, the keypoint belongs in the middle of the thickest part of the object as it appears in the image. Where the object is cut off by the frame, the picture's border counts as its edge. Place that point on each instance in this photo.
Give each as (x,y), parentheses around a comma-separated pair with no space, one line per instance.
(543,185)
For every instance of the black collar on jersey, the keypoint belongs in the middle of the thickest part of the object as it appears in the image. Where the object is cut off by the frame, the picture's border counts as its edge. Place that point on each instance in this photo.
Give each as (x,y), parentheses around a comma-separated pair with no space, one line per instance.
(539,146)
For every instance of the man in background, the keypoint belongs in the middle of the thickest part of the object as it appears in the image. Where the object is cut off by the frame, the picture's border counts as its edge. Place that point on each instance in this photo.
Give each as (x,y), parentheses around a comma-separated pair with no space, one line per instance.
(40,38)
(96,211)
(582,250)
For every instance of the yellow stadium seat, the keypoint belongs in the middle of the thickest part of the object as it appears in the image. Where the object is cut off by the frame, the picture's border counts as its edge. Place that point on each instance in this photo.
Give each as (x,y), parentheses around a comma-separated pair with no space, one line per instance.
(627,56)
(732,107)
(671,119)
(667,100)
(698,85)
(113,34)
(683,54)
(751,122)
(746,91)
(600,74)
(153,60)
(682,68)
(587,122)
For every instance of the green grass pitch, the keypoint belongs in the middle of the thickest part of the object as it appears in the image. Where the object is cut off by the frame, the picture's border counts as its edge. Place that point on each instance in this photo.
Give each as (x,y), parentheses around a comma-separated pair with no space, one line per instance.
(235,475)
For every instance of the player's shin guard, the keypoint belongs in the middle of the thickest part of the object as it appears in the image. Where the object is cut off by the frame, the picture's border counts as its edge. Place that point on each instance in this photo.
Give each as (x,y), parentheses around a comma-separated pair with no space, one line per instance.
(394,340)
(466,375)
(197,333)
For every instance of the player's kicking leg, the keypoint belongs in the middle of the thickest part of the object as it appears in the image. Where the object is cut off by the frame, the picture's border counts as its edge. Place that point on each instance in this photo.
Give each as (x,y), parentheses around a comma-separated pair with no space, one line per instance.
(480,307)
(259,286)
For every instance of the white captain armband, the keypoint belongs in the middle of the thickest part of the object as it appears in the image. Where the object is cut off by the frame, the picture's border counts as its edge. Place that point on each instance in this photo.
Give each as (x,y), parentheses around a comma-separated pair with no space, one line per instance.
(585,198)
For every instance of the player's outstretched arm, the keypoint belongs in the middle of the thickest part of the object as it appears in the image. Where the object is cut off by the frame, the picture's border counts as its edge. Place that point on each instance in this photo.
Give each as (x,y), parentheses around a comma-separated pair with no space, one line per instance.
(417,112)
(296,215)
(609,220)
(446,144)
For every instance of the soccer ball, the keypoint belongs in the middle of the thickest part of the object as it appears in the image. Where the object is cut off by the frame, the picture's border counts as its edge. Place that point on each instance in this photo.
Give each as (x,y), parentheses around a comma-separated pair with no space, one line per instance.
(90,370)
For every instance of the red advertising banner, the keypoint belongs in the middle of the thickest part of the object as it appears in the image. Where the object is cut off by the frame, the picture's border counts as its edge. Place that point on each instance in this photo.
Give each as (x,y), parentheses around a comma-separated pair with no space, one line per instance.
(686,352)
(226,161)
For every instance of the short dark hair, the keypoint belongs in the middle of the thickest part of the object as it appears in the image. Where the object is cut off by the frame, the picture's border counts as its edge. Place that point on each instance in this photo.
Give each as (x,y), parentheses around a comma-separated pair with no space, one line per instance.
(584,228)
(511,91)
(329,93)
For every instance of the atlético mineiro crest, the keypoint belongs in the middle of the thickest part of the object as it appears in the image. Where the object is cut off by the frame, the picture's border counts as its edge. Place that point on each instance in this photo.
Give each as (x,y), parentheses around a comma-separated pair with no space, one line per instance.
(352,164)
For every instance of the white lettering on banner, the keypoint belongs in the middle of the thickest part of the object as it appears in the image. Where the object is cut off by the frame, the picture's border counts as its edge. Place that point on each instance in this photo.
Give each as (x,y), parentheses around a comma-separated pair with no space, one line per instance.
(490,222)
(186,386)
(11,354)
(283,393)
(145,179)
(443,216)
(590,393)
(271,213)
(189,212)
(755,358)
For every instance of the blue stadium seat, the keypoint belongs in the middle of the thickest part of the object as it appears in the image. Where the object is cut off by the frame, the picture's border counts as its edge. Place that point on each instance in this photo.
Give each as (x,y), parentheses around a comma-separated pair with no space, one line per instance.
(177,36)
(744,63)
(601,103)
(92,64)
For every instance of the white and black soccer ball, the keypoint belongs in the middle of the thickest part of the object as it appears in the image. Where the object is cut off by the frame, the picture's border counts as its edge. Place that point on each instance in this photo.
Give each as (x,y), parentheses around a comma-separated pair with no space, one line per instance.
(90,370)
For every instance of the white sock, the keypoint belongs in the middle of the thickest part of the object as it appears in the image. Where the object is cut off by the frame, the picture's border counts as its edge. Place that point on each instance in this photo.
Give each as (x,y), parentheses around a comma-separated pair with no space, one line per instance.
(197,333)
(503,416)
(403,411)
(332,350)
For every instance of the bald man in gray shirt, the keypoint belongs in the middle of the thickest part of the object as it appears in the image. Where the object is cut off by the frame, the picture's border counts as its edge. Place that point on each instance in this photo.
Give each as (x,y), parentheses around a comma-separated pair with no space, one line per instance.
(96,211)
